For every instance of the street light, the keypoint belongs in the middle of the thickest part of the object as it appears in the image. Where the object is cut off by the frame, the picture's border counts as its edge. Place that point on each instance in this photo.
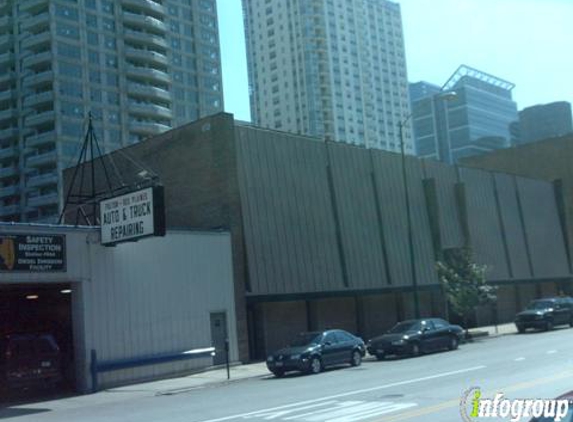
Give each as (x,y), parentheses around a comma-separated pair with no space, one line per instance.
(447,95)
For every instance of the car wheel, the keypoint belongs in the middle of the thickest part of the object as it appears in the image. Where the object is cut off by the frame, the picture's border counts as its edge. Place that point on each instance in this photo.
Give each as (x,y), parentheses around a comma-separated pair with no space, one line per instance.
(315,365)
(356,358)
(549,326)
(453,343)
(415,349)
(278,373)
(380,356)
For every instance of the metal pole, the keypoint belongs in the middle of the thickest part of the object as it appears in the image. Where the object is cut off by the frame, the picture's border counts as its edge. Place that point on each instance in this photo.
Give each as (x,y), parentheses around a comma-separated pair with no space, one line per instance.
(227,358)
(409,223)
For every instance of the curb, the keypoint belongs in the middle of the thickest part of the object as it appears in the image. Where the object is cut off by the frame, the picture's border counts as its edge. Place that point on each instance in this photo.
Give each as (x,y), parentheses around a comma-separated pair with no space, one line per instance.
(174,391)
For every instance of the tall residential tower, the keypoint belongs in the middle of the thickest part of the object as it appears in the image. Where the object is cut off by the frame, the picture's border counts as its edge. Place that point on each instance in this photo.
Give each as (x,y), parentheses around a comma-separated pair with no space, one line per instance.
(139,66)
(334,69)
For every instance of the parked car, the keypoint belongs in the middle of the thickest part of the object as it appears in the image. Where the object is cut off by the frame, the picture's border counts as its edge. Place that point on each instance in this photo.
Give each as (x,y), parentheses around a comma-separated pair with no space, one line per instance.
(416,336)
(29,360)
(545,314)
(311,352)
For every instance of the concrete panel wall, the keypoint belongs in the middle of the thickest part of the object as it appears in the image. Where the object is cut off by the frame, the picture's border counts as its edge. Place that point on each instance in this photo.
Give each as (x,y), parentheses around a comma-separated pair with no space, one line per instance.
(484,223)
(289,226)
(388,173)
(358,213)
(449,219)
(527,292)
(506,304)
(509,209)
(542,228)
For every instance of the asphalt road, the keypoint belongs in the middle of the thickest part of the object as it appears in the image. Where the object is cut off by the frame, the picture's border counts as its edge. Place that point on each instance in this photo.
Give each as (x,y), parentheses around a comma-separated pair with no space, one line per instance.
(427,388)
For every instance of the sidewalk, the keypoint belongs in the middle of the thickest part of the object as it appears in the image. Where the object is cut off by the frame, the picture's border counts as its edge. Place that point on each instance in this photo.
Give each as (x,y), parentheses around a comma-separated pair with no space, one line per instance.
(493,330)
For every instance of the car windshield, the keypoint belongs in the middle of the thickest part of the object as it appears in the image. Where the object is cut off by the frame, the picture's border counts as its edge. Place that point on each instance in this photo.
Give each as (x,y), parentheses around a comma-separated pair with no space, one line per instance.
(540,304)
(305,339)
(404,327)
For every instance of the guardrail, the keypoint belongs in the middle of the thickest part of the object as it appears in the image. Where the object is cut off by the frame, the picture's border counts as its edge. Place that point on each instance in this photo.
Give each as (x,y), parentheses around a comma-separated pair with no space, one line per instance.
(97,367)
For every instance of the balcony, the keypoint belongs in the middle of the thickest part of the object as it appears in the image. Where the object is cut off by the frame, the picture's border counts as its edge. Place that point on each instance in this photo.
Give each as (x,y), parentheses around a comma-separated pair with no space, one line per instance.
(32,5)
(146,56)
(40,118)
(42,180)
(7,77)
(149,110)
(36,79)
(6,41)
(36,40)
(143,21)
(36,59)
(8,172)
(35,22)
(6,58)
(144,37)
(148,74)
(148,91)
(11,132)
(7,114)
(7,210)
(145,6)
(9,191)
(42,159)
(41,139)
(6,95)
(43,200)
(8,152)
(148,128)
(38,99)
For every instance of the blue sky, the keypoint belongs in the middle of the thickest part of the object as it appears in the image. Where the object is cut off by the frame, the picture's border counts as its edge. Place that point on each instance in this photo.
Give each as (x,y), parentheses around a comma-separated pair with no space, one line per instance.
(527,42)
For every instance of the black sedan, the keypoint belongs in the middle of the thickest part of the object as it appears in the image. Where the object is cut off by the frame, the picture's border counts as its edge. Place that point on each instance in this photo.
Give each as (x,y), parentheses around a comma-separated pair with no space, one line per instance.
(311,352)
(415,337)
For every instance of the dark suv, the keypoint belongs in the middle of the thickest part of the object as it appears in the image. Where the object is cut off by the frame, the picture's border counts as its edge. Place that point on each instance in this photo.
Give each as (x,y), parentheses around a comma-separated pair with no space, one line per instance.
(29,360)
(545,314)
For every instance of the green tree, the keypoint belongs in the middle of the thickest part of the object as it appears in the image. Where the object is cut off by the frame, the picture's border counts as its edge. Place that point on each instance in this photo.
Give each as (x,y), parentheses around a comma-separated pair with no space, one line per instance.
(464,283)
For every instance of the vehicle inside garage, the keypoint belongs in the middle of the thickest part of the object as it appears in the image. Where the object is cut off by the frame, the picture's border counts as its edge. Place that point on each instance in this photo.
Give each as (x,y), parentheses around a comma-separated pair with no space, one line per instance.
(36,338)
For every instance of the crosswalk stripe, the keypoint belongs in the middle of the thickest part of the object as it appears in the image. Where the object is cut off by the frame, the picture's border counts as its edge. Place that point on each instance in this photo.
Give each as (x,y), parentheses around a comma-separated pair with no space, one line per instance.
(381,411)
(308,414)
(275,414)
(333,414)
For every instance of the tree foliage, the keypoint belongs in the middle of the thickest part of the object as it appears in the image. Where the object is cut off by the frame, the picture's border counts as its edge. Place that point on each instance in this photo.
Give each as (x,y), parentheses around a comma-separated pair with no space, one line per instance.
(464,282)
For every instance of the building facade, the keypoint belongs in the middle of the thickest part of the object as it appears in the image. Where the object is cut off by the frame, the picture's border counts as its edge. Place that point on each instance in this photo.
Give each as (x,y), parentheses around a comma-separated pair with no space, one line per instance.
(319,230)
(117,304)
(544,121)
(139,66)
(471,115)
(333,69)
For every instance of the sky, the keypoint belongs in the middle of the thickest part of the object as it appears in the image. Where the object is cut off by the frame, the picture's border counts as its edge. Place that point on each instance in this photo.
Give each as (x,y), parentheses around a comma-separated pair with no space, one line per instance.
(526,42)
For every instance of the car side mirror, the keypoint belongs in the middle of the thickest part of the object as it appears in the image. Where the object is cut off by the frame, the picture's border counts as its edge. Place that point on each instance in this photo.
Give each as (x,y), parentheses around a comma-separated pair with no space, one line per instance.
(425,329)
(327,343)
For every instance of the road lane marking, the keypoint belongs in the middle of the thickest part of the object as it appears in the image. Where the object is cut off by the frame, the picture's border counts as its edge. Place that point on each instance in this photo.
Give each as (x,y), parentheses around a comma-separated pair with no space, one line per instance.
(424,411)
(519,359)
(350,393)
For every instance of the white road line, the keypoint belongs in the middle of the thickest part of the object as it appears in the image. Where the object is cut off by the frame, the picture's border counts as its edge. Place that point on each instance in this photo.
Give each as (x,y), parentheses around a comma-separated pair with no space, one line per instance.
(332,414)
(350,393)
(550,352)
(519,359)
(337,405)
(273,414)
(380,411)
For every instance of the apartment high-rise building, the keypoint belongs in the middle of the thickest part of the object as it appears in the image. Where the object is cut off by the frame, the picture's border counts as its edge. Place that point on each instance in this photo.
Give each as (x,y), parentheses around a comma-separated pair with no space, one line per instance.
(470,115)
(333,69)
(545,121)
(139,66)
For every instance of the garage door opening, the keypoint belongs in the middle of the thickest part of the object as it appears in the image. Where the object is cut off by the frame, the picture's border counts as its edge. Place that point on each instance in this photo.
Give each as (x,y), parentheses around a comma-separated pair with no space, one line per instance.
(36,341)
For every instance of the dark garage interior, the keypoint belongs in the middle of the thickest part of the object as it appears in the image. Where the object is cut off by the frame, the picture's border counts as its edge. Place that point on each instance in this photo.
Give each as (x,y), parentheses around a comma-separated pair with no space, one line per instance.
(39,309)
